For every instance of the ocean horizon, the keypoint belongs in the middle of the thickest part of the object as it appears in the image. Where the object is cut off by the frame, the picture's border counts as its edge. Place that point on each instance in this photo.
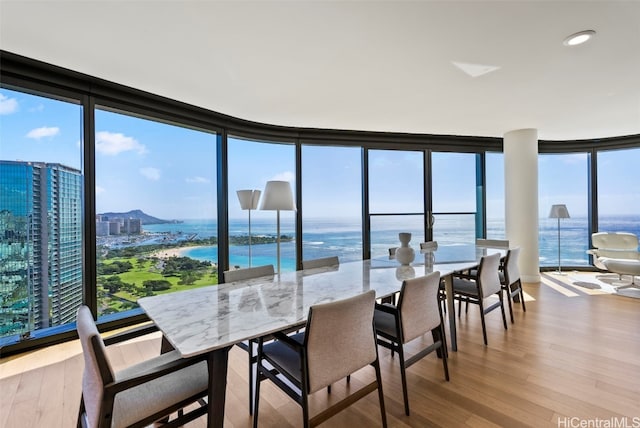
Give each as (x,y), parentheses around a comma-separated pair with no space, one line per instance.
(326,237)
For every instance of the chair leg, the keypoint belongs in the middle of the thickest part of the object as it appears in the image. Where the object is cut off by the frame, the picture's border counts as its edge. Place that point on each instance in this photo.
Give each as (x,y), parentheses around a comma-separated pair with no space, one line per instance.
(305,407)
(524,308)
(504,317)
(252,391)
(403,376)
(383,413)
(256,389)
(81,411)
(436,334)
(441,351)
(509,301)
(484,327)
(443,337)
(445,365)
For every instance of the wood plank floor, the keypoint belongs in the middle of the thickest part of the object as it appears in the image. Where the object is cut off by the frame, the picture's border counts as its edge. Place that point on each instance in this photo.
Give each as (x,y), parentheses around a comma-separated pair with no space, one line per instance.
(575,353)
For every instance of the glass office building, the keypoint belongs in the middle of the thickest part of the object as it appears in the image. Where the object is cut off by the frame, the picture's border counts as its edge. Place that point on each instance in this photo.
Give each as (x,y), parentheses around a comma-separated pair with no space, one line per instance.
(40,245)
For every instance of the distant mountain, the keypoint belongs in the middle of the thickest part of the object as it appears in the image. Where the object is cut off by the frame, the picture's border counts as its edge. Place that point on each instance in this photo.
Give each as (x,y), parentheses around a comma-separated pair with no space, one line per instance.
(139,214)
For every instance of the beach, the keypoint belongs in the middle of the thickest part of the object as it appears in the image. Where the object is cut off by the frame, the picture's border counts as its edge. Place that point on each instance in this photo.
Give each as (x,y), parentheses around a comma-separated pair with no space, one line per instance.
(173,252)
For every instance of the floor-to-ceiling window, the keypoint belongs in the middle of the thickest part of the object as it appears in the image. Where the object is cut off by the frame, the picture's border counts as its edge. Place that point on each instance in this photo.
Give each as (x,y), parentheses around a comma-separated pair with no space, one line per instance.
(563,179)
(251,164)
(156,160)
(454,196)
(619,191)
(332,202)
(41,215)
(494,174)
(396,198)
(156,209)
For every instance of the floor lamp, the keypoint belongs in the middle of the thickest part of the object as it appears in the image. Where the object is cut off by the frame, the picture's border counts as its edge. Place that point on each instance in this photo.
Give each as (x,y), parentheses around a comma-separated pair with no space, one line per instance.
(559,211)
(278,197)
(249,201)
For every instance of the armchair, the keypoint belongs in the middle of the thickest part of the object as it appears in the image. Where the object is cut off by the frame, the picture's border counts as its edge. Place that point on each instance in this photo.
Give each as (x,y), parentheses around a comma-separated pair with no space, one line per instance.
(338,340)
(141,394)
(616,252)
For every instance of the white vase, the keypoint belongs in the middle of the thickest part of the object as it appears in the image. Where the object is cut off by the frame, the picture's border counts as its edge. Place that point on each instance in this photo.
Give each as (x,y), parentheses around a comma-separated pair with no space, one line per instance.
(404,253)
(405,272)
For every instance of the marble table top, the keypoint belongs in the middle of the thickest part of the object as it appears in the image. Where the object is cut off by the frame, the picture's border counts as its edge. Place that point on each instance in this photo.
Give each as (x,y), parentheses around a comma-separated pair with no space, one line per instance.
(208,318)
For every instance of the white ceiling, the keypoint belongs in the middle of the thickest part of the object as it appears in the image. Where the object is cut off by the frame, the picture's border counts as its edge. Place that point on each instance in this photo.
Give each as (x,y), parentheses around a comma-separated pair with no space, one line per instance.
(358,65)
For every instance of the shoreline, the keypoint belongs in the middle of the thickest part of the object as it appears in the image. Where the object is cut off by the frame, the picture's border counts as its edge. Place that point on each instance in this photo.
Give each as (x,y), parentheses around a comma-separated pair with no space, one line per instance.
(175,252)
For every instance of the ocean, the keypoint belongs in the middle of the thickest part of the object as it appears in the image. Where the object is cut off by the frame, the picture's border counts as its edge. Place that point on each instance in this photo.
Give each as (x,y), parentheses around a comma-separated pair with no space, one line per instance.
(324,237)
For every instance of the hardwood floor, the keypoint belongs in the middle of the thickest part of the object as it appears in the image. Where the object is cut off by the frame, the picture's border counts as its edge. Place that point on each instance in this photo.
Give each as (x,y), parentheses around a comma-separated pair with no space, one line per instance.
(575,353)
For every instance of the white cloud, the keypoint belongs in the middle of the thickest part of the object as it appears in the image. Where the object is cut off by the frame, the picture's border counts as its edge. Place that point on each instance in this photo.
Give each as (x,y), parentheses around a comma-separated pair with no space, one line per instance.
(100,190)
(38,108)
(45,131)
(8,105)
(152,174)
(113,143)
(285,176)
(198,180)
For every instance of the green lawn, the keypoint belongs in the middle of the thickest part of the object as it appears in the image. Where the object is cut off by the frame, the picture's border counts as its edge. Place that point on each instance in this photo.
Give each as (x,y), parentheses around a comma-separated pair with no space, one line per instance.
(148,270)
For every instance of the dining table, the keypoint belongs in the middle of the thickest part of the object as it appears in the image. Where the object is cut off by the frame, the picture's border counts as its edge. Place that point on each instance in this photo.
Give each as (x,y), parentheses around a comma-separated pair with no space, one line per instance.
(211,319)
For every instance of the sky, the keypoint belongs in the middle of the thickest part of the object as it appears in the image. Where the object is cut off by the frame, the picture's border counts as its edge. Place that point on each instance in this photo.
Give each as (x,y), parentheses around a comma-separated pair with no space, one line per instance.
(169,171)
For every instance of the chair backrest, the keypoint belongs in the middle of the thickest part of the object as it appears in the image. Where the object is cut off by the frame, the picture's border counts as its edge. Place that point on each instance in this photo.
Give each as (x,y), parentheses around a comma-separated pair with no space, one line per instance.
(418,306)
(493,243)
(488,275)
(615,245)
(248,273)
(97,370)
(339,339)
(615,241)
(429,245)
(511,270)
(322,262)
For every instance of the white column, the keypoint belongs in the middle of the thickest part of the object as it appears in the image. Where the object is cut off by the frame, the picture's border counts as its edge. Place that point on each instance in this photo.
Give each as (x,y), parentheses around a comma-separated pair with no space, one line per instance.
(521,198)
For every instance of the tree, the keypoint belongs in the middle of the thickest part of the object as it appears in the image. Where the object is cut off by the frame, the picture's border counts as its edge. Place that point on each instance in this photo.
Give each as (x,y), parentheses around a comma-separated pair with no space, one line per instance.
(189,277)
(156,284)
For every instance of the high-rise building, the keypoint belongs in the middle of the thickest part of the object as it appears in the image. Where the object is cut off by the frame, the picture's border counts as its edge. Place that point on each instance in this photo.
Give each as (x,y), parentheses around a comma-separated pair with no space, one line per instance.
(40,245)
(132,226)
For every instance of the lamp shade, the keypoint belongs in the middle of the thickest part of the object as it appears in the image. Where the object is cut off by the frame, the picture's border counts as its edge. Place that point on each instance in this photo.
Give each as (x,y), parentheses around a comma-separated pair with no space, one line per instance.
(559,211)
(277,196)
(248,199)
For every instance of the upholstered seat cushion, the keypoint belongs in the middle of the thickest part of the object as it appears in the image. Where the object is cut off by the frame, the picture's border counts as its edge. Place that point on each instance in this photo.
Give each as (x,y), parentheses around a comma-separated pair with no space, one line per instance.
(284,356)
(622,266)
(142,401)
(385,322)
(465,287)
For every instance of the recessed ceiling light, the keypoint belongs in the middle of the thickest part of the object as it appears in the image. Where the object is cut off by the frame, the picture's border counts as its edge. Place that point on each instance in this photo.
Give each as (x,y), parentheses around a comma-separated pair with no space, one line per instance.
(579,38)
